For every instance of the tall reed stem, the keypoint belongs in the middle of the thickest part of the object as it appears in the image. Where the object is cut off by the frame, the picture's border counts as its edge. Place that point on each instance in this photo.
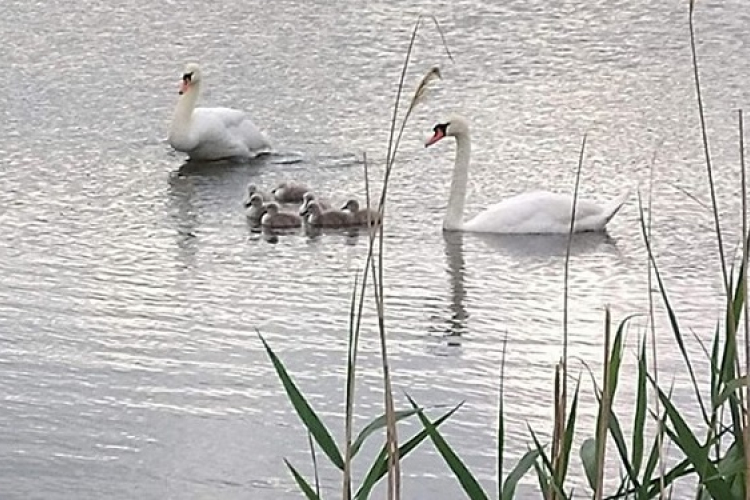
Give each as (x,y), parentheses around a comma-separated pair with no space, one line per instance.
(745,416)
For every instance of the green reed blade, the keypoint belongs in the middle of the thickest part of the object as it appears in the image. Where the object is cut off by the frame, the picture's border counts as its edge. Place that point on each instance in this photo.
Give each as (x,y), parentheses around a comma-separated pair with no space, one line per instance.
(676,330)
(698,455)
(587,453)
(302,483)
(377,424)
(465,477)
(568,437)
(380,466)
(549,479)
(515,475)
(305,411)
(639,419)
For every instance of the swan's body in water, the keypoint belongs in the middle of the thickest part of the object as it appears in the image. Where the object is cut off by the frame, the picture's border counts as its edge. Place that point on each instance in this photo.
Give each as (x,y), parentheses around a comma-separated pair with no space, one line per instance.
(208,134)
(533,212)
(317,217)
(273,218)
(361,215)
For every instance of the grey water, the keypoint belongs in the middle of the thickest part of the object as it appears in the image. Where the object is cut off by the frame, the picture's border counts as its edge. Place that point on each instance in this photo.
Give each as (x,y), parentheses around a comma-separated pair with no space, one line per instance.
(132,285)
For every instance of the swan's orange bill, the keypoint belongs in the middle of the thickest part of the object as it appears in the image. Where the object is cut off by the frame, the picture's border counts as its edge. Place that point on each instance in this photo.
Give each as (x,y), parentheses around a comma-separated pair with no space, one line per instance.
(432,140)
(184,85)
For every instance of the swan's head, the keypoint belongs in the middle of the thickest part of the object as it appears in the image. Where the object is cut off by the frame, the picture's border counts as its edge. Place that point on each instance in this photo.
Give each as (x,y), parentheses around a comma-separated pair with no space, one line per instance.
(190,77)
(351,205)
(272,208)
(454,126)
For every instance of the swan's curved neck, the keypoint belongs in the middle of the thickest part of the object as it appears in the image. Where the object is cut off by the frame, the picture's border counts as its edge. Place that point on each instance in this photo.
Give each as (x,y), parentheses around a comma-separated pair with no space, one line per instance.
(183,112)
(454,218)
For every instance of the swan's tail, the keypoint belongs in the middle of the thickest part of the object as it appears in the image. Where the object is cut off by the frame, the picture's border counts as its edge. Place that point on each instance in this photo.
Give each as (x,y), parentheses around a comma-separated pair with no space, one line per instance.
(611,208)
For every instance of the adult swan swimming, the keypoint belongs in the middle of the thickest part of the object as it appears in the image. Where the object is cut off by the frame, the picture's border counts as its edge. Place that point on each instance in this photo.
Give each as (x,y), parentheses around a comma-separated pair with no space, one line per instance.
(533,212)
(212,133)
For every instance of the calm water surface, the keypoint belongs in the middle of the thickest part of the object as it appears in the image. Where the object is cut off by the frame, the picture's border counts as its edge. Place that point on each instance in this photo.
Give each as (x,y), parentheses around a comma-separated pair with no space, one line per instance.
(132,285)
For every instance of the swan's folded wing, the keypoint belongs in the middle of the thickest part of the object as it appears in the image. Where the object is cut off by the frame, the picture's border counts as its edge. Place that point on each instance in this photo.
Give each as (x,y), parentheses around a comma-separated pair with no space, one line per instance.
(226,129)
(533,212)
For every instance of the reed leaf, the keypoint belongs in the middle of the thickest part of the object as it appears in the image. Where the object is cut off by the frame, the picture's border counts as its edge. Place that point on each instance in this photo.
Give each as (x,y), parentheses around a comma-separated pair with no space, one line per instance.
(639,419)
(547,470)
(587,453)
(377,424)
(698,455)
(302,483)
(515,475)
(676,329)
(380,466)
(308,416)
(465,477)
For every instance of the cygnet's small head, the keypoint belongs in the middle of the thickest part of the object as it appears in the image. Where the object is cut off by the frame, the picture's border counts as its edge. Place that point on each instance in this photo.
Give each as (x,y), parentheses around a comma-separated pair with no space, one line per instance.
(453,126)
(272,208)
(190,77)
(308,197)
(351,205)
(256,200)
(251,189)
(313,208)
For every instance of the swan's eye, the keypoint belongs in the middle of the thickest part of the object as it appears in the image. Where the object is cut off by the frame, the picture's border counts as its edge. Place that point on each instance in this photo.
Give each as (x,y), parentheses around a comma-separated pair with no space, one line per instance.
(441,127)
(187,77)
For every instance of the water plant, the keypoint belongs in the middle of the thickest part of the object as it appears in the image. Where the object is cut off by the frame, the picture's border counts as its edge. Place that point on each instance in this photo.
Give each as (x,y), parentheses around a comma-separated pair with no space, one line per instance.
(709,458)
(387,462)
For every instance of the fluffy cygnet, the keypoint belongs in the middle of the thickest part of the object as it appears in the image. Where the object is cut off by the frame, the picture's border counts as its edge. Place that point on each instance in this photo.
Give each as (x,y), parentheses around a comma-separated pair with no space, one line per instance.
(361,216)
(307,198)
(329,218)
(289,192)
(255,208)
(273,218)
(253,189)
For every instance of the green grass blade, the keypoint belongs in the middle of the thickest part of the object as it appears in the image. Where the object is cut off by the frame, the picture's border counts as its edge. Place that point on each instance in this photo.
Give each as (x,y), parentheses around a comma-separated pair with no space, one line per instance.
(615,430)
(698,455)
(375,425)
(380,466)
(639,419)
(676,330)
(515,475)
(308,416)
(302,483)
(465,477)
(550,480)
(588,459)
(568,437)
(682,469)
(729,389)
(542,478)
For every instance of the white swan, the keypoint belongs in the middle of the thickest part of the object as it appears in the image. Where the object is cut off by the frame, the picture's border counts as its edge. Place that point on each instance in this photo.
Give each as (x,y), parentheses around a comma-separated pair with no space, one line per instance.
(533,212)
(211,133)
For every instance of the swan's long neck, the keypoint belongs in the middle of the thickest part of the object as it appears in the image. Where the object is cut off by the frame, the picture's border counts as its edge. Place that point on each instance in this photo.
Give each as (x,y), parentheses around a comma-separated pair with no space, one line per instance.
(454,218)
(183,113)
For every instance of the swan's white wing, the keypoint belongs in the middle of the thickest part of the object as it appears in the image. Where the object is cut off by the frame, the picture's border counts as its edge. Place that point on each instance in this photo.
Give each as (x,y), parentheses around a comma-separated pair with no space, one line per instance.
(533,212)
(225,132)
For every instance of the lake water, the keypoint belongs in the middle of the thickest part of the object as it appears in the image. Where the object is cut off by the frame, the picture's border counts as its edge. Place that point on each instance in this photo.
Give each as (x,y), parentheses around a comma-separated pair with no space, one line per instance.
(132,287)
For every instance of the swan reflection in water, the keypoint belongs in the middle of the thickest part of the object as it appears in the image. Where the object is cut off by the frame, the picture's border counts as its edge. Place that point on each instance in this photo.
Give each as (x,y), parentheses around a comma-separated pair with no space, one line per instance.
(522,250)
(546,247)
